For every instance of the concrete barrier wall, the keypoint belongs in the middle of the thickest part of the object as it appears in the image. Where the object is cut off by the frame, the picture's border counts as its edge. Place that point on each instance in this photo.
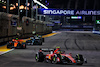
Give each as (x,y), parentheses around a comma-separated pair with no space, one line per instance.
(5,24)
(27,28)
(39,27)
(9,31)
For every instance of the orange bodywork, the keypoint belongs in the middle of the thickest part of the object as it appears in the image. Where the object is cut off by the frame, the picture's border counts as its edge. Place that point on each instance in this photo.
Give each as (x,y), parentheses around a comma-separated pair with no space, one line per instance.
(16,41)
(15,44)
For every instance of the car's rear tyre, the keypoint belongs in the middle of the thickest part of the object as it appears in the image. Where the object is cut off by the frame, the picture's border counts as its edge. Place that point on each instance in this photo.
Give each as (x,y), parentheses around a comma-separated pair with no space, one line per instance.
(42,39)
(23,45)
(39,57)
(40,43)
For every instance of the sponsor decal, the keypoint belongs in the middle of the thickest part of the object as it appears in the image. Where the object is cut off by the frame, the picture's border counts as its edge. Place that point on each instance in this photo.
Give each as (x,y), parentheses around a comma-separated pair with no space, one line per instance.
(68,12)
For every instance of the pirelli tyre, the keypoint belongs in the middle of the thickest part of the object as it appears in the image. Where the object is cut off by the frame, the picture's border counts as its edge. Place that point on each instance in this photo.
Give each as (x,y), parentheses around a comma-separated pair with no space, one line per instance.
(39,57)
(40,43)
(54,59)
(9,46)
(42,39)
(23,45)
(79,59)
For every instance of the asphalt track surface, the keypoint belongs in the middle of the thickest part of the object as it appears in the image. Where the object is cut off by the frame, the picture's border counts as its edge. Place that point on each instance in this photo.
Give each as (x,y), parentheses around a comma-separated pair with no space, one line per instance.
(84,43)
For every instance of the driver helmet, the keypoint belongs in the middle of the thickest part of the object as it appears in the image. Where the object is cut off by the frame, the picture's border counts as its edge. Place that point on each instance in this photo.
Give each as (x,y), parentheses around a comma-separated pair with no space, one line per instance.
(37,35)
(58,48)
(40,50)
(16,38)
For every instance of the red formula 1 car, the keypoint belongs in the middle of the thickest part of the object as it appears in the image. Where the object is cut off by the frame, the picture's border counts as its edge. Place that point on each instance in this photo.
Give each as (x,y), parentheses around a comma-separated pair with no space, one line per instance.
(58,56)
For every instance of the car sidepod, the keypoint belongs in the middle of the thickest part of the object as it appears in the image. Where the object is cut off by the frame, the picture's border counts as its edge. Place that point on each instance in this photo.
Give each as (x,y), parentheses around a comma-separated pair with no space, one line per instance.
(66,58)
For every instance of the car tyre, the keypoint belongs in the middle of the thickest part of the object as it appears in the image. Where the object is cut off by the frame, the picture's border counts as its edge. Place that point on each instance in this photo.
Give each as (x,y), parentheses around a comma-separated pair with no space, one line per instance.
(79,59)
(39,57)
(54,59)
(9,46)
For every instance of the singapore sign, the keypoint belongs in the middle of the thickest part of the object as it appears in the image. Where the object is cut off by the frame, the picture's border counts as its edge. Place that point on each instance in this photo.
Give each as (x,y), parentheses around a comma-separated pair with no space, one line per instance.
(68,12)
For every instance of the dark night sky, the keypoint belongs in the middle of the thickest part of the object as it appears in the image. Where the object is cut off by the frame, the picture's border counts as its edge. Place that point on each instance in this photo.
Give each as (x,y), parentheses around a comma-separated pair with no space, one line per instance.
(65,3)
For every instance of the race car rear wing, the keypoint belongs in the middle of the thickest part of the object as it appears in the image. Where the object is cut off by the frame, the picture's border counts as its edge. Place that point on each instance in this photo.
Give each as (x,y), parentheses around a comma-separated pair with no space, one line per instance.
(47,49)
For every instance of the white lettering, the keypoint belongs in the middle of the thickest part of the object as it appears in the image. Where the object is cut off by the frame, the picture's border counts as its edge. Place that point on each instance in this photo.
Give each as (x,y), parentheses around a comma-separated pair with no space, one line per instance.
(65,12)
(53,12)
(71,12)
(98,12)
(58,12)
(77,13)
(61,11)
(90,12)
(84,12)
(45,12)
(94,13)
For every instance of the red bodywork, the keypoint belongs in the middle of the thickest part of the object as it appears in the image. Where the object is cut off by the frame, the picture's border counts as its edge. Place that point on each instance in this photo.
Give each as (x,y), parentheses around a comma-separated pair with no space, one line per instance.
(49,56)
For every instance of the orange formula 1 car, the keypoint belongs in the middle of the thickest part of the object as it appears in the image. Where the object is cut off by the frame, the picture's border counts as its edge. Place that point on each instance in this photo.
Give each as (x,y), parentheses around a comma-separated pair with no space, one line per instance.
(58,56)
(16,43)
